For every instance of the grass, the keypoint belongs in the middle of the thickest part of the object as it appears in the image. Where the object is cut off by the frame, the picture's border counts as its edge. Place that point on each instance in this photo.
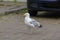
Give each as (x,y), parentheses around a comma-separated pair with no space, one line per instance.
(24,10)
(2,15)
(17,3)
(21,11)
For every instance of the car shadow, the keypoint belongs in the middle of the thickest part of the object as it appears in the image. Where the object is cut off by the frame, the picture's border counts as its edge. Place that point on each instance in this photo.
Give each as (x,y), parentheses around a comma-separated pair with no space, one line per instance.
(49,15)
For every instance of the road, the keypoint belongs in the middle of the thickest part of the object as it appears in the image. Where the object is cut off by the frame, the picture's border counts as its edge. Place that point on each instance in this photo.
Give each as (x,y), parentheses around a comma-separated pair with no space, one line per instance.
(12,27)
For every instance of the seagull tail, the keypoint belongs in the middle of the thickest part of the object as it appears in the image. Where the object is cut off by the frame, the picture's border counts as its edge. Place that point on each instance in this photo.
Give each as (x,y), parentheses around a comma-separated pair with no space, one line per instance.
(40,26)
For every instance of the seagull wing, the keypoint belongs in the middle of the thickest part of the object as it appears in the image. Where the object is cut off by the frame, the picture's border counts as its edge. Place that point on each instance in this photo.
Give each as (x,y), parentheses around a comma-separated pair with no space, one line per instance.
(34,23)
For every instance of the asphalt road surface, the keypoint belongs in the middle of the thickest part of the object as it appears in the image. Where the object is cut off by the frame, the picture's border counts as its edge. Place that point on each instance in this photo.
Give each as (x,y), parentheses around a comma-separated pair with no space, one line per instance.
(12,27)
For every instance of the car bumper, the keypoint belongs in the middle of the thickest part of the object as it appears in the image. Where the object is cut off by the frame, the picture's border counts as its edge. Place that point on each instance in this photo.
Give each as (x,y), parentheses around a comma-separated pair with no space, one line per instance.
(45,7)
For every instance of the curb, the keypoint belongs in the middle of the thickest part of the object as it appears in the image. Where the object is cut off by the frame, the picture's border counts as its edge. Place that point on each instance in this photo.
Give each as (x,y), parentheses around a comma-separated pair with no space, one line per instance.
(15,10)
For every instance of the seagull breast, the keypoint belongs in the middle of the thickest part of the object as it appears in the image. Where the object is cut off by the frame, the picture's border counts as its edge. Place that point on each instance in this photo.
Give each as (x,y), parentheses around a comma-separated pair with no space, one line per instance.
(31,22)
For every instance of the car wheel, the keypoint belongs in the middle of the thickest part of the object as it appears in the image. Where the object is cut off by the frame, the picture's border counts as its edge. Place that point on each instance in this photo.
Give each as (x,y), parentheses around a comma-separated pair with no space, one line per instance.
(32,12)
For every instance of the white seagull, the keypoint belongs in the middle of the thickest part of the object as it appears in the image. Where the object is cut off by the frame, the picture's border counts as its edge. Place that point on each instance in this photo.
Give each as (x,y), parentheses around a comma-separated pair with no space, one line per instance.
(31,22)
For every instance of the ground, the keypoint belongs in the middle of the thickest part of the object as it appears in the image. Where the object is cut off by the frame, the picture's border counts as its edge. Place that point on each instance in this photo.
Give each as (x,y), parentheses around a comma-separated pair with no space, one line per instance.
(6,6)
(12,27)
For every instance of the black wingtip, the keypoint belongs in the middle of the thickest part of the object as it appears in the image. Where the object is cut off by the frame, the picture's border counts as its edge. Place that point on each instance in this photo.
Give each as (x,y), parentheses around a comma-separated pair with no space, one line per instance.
(40,26)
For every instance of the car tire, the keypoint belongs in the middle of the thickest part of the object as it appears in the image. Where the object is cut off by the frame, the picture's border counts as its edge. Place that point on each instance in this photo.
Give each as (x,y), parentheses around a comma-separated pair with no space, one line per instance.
(32,12)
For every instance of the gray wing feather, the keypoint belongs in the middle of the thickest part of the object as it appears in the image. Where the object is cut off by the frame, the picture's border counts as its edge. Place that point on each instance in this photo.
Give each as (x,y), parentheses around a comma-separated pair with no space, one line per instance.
(35,23)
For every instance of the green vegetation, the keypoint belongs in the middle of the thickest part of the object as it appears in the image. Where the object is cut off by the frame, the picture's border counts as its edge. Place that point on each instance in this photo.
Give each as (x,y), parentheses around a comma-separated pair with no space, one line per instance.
(1,15)
(18,4)
(21,11)
(24,10)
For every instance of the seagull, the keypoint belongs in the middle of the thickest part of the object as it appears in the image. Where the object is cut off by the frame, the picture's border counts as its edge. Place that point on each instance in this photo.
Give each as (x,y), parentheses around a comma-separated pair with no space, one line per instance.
(31,22)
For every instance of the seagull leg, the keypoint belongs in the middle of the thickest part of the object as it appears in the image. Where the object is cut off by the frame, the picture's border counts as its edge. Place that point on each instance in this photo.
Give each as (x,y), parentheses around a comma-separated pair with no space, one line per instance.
(30,30)
(34,29)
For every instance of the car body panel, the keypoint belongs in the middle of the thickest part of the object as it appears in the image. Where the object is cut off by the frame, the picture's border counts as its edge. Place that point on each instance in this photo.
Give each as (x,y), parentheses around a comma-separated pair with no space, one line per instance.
(45,5)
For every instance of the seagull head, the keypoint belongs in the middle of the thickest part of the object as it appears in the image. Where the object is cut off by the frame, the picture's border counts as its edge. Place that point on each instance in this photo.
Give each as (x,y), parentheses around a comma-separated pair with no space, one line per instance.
(27,15)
